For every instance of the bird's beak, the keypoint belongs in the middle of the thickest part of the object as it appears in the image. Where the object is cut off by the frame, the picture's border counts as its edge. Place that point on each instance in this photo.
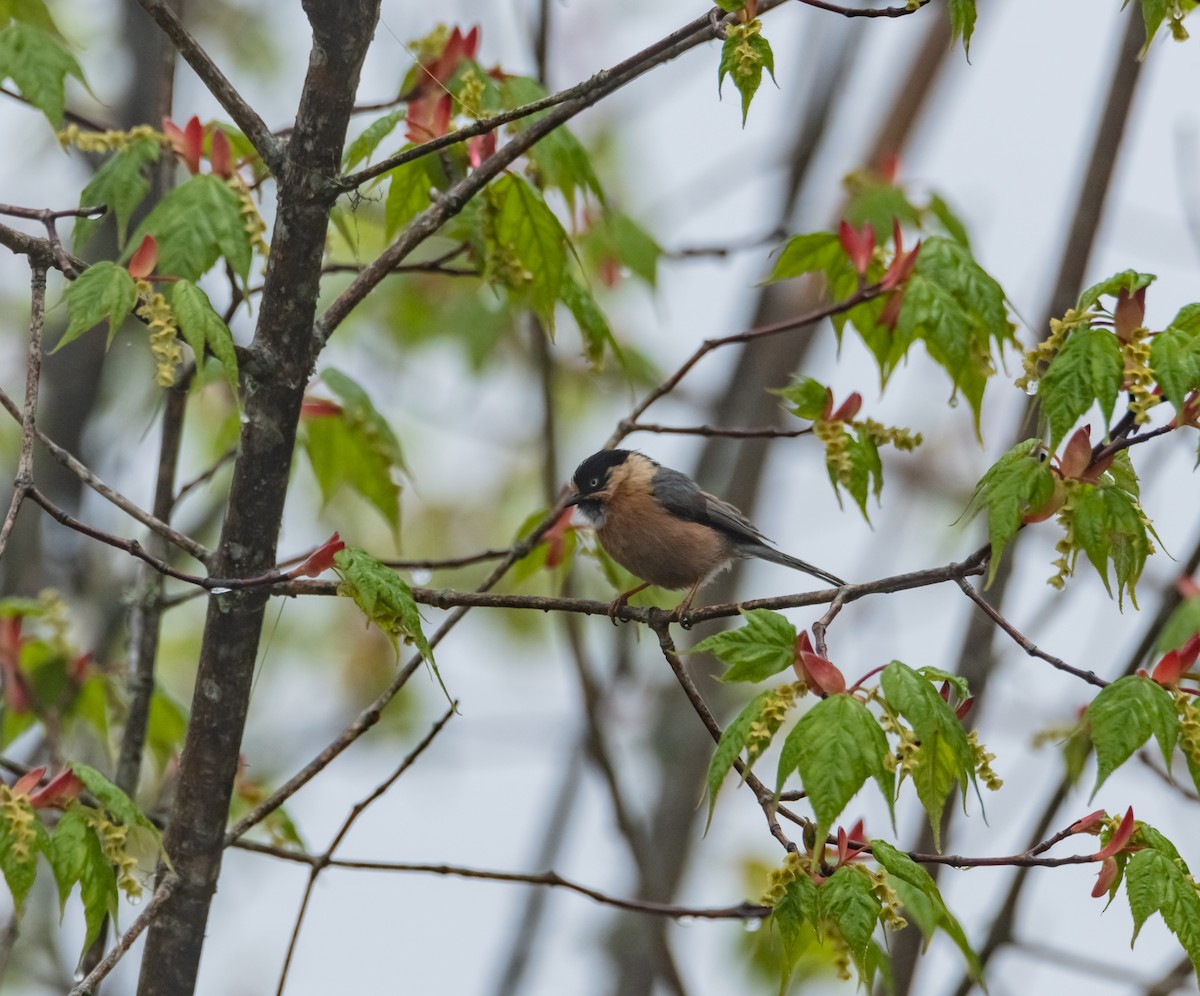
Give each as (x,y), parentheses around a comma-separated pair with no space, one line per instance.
(574,499)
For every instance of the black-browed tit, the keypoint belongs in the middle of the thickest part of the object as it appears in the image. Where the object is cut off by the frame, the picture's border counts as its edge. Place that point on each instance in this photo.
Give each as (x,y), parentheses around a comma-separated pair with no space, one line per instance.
(657,524)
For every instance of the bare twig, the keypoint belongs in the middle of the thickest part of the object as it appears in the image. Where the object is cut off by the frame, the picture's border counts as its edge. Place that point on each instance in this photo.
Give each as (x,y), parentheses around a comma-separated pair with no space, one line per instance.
(89,985)
(834,8)
(762,432)
(741,911)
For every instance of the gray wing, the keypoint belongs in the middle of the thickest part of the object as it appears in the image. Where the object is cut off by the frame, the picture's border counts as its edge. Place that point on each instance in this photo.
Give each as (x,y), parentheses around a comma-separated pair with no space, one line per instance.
(682,496)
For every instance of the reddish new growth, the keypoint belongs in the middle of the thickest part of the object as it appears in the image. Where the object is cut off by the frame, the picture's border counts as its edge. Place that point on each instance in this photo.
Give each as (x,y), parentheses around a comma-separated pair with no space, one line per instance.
(60,790)
(430,104)
(320,560)
(815,671)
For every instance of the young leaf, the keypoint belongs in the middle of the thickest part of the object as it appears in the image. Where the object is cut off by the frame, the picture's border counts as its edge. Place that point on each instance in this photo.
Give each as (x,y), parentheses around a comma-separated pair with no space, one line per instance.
(121,184)
(816,252)
(525,227)
(196,224)
(366,143)
(796,916)
(1086,371)
(385,600)
(97,887)
(19,844)
(357,448)
(68,852)
(943,755)
(848,900)
(1156,883)
(103,291)
(593,326)
(1124,716)
(38,63)
(409,189)
(744,56)
(1175,356)
(836,746)
(765,646)
(202,327)
(1127,281)
(1108,524)
(734,739)
(962,22)
(918,891)
(112,798)
(1019,481)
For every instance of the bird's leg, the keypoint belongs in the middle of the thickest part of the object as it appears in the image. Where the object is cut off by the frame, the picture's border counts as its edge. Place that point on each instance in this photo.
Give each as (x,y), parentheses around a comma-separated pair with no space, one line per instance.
(618,603)
(686,604)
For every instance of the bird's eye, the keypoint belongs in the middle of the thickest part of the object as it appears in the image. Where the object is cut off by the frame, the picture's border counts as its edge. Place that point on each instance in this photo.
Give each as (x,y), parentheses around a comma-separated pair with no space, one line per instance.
(594,482)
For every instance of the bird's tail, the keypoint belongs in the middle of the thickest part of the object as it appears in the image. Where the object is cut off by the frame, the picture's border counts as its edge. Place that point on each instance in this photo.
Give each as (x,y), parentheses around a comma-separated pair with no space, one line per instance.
(764,552)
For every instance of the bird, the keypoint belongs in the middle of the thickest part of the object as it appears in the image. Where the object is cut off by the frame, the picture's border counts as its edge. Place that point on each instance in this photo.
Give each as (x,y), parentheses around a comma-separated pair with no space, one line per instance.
(659,525)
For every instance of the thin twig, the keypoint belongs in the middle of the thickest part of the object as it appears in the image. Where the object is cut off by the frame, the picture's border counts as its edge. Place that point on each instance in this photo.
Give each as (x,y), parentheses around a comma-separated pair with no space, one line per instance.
(1023,641)
(89,985)
(322,861)
(834,8)
(762,432)
(741,911)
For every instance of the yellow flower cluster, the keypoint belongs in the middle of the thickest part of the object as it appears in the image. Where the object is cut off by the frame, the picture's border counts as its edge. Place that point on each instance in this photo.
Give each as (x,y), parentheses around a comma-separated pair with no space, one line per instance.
(164,339)
(1139,380)
(17,813)
(983,762)
(889,901)
(105,141)
(901,438)
(1189,726)
(114,838)
(780,878)
(774,711)
(1037,359)
(252,222)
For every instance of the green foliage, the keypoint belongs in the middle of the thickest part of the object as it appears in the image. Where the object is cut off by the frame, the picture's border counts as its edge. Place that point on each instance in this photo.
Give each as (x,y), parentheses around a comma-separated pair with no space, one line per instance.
(836,746)
(529,248)
(1180,625)
(558,160)
(593,326)
(748,730)
(364,146)
(1123,716)
(1108,524)
(38,64)
(1020,481)
(938,754)
(1087,370)
(356,448)
(385,600)
(1175,356)
(409,186)
(615,240)
(1157,882)
(957,310)
(121,184)
(962,21)
(1126,282)
(765,646)
(815,252)
(196,224)
(113,799)
(21,840)
(851,906)
(102,292)
(744,55)
(1155,12)
(203,329)
(919,894)
(807,398)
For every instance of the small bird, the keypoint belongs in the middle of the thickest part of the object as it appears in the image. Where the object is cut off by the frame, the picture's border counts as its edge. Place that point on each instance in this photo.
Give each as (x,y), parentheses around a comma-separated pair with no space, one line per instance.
(657,524)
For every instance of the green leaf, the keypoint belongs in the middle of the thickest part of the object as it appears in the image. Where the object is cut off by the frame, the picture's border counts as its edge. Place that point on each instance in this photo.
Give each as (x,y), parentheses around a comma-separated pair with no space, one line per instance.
(97,888)
(528,230)
(31,12)
(1124,716)
(943,755)
(19,845)
(1087,370)
(1108,524)
(956,681)
(836,746)
(112,798)
(957,310)
(38,64)
(919,893)
(1016,483)
(1180,626)
(68,852)
(103,291)
(962,22)
(1127,281)
(364,146)
(815,252)
(593,326)
(196,224)
(1175,356)
(385,600)
(122,184)
(635,247)
(355,448)
(796,916)
(866,469)
(734,739)
(201,326)
(849,901)
(1155,883)
(166,728)
(807,398)
(765,646)
(949,221)
(744,56)
(409,187)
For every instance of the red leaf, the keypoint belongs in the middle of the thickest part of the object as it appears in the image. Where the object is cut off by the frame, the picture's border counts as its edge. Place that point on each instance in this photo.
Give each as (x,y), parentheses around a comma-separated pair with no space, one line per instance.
(1077,454)
(480,147)
(1104,880)
(188,143)
(821,674)
(859,245)
(848,408)
(556,537)
(1176,663)
(141,263)
(221,155)
(1129,314)
(28,781)
(61,789)
(1090,823)
(319,408)
(1119,839)
(320,560)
